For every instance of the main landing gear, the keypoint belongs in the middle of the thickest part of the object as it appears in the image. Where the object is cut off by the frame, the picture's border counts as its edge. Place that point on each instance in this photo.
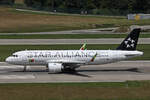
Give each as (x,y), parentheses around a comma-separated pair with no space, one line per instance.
(69,70)
(25,68)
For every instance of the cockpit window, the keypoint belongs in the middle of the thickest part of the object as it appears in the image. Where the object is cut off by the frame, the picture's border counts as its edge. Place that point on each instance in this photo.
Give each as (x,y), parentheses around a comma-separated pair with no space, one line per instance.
(15,55)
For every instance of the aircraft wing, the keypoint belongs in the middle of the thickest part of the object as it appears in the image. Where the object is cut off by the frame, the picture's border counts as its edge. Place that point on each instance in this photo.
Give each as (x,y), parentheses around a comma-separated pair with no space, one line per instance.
(66,61)
(70,64)
(72,61)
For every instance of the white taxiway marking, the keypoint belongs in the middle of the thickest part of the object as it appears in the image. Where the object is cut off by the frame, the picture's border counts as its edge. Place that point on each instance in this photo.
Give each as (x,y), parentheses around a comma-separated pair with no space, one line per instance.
(11,66)
(17,76)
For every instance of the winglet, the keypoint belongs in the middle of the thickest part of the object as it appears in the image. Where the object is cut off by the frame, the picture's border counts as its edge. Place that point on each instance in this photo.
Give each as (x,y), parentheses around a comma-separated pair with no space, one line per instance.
(83,47)
(93,58)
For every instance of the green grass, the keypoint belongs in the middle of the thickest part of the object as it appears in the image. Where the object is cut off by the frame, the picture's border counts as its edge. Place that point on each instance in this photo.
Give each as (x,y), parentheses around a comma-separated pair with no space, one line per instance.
(134,90)
(68,36)
(7,50)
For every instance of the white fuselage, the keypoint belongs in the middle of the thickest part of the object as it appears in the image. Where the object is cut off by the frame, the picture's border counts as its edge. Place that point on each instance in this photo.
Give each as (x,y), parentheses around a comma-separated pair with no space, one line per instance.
(83,57)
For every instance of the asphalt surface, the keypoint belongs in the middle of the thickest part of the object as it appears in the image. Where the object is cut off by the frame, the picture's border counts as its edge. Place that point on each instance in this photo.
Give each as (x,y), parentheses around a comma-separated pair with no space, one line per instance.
(67,41)
(116,72)
(86,31)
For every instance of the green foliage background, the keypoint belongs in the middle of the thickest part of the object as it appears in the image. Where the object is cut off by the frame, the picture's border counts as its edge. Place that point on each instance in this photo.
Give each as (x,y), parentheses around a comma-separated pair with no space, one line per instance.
(101,7)
(106,7)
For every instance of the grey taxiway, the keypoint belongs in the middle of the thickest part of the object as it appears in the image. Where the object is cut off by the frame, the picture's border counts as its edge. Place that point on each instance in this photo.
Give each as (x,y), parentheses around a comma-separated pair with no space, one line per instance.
(116,72)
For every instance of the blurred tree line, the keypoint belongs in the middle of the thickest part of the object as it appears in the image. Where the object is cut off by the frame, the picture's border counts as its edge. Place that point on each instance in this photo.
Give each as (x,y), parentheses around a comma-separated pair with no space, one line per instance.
(7,2)
(103,7)
(106,7)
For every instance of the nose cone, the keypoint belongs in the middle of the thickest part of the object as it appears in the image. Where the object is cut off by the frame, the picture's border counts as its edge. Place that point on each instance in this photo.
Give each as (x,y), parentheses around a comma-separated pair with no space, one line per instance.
(8,60)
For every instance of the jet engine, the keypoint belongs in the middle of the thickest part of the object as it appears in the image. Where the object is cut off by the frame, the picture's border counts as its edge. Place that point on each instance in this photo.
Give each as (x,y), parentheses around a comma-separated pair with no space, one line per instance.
(55,67)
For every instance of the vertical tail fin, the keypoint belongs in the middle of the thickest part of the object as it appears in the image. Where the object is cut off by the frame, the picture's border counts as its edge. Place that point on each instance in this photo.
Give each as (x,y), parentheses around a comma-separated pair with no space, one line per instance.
(130,41)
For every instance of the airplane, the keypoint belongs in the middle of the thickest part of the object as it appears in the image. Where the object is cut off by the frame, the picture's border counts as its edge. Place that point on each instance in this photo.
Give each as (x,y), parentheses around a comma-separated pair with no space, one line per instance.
(58,61)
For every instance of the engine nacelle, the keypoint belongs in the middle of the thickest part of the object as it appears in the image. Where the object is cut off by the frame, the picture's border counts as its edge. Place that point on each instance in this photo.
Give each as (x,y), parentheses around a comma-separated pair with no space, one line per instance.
(55,67)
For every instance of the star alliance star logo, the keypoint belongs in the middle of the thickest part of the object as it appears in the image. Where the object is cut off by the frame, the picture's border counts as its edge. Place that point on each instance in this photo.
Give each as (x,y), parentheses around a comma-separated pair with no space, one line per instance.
(129,43)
